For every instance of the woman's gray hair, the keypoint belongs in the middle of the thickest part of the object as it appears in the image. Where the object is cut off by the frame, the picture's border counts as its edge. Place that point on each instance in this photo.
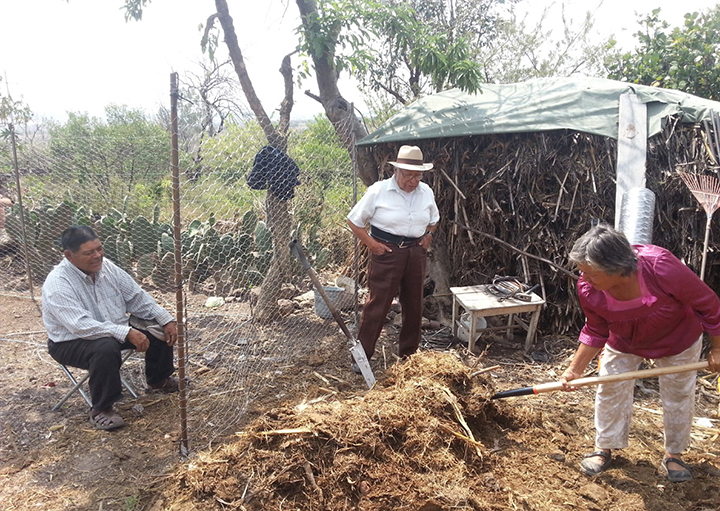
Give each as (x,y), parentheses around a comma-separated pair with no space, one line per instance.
(605,249)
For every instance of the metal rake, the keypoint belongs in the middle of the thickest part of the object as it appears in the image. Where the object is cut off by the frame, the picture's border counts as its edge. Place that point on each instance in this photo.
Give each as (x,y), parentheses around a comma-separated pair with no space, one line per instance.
(706,189)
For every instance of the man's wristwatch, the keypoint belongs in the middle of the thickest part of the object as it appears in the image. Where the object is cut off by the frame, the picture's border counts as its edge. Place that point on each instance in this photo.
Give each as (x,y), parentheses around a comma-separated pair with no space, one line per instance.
(428,232)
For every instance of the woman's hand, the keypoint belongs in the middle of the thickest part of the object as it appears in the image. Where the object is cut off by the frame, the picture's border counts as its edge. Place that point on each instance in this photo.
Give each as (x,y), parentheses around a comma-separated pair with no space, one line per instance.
(713,359)
(567,376)
(581,359)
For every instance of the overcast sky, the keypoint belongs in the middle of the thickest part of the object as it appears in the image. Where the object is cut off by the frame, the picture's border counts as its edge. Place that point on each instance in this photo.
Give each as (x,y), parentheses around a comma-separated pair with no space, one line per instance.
(81,55)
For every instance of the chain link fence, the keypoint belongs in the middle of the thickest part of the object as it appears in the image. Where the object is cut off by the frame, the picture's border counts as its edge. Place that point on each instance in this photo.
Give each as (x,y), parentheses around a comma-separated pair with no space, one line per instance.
(249,310)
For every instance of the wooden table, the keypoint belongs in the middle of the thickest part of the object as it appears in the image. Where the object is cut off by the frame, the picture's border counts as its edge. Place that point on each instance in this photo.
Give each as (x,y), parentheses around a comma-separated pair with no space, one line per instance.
(480,303)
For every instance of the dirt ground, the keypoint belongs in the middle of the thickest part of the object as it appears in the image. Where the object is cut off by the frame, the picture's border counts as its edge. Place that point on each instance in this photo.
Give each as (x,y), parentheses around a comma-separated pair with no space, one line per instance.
(427,438)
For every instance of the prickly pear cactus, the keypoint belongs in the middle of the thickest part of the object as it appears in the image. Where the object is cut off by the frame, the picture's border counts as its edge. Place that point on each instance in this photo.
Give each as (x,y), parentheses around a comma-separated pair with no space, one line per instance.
(253,278)
(249,222)
(83,216)
(243,245)
(108,227)
(163,275)
(223,252)
(13,225)
(167,244)
(263,238)
(322,258)
(144,236)
(57,220)
(146,265)
(123,252)
(43,229)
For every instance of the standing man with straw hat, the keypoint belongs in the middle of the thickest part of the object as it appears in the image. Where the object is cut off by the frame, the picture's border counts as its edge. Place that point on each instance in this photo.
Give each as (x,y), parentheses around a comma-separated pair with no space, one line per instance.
(402,217)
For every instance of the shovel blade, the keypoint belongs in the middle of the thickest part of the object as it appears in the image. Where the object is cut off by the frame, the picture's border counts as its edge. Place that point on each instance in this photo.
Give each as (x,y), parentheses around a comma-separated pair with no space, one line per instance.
(358,354)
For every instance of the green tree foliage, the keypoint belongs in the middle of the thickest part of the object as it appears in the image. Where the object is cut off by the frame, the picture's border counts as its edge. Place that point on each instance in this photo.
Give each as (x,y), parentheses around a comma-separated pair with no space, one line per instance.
(318,148)
(323,200)
(105,164)
(435,40)
(325,172)
(13,113)
(683,58)
(229,155)
(404,48)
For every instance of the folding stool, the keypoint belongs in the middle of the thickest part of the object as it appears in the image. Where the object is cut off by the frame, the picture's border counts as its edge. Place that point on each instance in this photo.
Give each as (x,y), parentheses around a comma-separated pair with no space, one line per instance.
(78,384)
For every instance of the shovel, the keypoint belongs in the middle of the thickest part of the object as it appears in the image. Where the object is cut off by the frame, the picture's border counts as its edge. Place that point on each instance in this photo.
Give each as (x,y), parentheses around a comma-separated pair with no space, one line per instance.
(356,349)
(596,380)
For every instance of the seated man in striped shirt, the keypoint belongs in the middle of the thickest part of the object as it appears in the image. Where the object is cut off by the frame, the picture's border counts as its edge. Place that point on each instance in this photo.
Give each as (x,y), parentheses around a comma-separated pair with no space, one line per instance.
(86,301)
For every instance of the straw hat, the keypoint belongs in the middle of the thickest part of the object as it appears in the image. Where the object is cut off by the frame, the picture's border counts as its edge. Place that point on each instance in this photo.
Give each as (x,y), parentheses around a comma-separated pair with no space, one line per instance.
(410,157)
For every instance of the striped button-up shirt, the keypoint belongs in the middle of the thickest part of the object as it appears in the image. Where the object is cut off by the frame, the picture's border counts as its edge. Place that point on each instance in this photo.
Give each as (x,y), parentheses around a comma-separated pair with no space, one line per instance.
(76,307)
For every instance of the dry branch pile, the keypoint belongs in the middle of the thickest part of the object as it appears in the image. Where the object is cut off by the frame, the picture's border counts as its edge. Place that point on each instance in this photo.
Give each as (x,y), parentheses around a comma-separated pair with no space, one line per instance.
(539,191)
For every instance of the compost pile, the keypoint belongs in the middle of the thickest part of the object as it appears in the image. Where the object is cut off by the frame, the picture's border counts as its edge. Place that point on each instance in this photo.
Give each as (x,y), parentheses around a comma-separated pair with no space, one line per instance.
(536,193)
(418,440)
(428,438)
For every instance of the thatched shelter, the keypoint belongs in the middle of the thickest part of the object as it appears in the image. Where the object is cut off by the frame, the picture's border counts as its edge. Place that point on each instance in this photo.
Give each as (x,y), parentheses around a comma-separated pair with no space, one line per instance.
(523,169)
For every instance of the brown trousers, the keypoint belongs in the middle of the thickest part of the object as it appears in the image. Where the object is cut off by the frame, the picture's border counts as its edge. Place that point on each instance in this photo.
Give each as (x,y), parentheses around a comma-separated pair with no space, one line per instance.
(403,269)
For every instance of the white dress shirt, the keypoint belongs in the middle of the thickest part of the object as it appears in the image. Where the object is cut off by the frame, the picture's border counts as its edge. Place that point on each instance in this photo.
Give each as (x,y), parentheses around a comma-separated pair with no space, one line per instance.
(393,210)
(76,307)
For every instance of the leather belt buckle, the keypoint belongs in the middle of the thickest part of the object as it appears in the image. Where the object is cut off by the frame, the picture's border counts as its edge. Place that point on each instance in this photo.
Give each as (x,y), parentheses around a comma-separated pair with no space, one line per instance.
(405,243)
(387,237)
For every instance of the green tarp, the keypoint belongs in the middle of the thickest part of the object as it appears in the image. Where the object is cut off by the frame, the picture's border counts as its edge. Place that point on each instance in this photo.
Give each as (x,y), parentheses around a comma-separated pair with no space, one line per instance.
(588,105)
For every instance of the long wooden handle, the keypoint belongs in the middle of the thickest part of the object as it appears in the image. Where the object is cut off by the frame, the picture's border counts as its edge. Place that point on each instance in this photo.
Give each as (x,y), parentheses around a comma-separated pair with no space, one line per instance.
(596,380)
(630,375)
(299,251)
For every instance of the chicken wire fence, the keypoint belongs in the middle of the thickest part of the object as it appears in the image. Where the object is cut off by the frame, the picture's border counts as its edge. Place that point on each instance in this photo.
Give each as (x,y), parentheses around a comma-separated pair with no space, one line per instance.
(249,309)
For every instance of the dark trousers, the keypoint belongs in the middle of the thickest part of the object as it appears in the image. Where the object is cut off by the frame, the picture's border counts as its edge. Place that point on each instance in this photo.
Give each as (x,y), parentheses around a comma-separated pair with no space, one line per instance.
(102,359)
(403,268)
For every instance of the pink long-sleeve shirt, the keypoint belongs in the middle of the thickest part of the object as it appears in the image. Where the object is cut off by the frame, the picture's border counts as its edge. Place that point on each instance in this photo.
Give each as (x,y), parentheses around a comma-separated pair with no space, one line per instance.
(674,309)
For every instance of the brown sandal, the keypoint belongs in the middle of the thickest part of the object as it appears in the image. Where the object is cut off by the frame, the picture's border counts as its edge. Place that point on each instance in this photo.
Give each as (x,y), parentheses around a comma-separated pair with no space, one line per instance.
(107,420)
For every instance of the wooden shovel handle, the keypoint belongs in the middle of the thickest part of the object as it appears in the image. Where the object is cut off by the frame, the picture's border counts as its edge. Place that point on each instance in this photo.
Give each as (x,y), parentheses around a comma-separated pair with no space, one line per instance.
(299,251)
(630,375)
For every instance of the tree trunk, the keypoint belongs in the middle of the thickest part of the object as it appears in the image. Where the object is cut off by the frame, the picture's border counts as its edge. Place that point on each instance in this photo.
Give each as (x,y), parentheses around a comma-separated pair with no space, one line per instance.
(274,138)
(280,224)
(337,109)
(276,211)
(437,274)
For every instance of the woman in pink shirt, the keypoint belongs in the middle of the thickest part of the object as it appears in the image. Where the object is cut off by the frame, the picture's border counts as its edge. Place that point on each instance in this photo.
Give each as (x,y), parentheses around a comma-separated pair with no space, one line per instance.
(640,302)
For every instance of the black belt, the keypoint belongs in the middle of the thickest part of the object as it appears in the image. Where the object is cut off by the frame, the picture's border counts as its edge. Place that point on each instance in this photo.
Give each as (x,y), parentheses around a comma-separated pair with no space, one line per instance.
(400,241)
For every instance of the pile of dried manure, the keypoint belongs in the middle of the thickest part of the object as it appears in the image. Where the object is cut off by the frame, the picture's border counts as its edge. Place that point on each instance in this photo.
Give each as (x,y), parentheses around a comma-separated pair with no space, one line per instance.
(427,438)
(418,440)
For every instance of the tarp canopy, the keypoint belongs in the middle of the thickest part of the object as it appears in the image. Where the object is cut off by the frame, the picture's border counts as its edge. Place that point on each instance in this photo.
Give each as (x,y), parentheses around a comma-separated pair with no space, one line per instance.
(589,105)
